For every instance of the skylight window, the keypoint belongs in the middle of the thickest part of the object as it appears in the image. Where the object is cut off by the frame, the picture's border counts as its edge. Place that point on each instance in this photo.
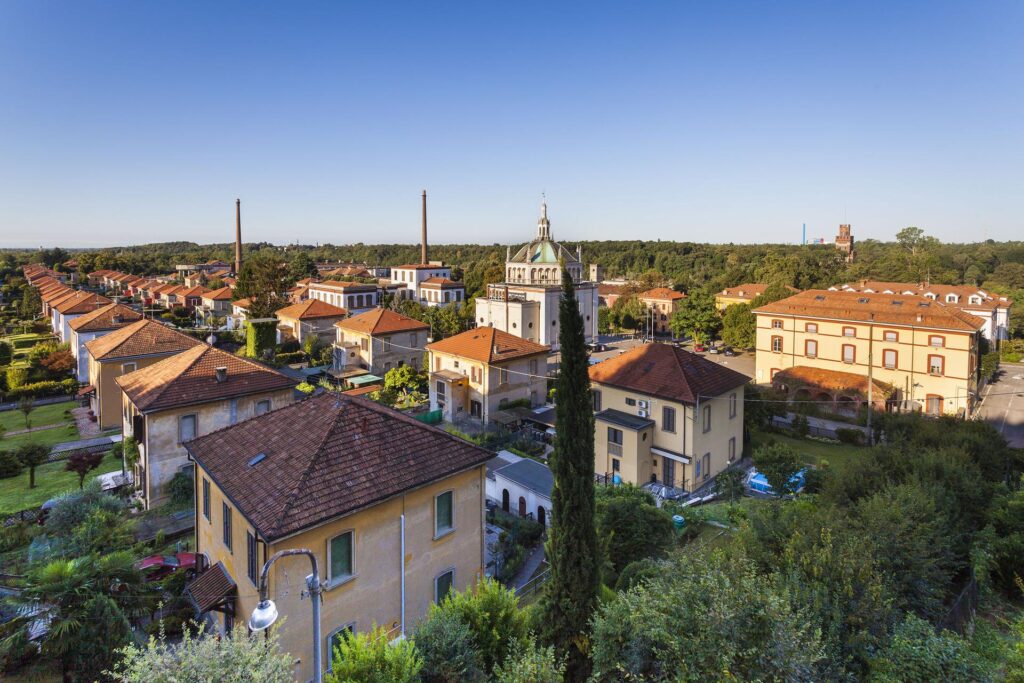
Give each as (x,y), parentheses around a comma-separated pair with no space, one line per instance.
(257,459)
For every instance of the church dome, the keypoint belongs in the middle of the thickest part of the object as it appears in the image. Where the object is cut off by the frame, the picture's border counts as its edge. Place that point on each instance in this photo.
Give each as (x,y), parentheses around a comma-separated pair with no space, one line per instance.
(543,249)
(540,262)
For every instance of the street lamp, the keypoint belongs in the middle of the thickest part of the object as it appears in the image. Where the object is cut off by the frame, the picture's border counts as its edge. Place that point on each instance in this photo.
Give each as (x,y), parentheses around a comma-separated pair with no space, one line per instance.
(265,613)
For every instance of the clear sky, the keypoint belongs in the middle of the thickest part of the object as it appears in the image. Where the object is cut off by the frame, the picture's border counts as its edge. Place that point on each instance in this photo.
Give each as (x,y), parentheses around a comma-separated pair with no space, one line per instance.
(141,121)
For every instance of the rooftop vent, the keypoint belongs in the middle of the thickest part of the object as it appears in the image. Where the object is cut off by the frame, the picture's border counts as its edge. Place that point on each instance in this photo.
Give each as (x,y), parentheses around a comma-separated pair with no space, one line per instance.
(897,302)
(819,297)
(923,304)
(221,373)
(257,459)
(863,300)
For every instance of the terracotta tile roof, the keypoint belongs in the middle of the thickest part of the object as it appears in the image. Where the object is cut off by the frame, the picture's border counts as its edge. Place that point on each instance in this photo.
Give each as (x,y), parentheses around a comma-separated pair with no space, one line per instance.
(100,273)
(962,292)
(222,294)
(56,293)
(662,294)
(381,321)
(196,291)
(325,457)
(103,319)
(749,290)
(442,282)
(311,309)
(667,372)
(142,338)
(488,345)
(335,284)
(190,377)
(65,295)
(211,587)
(887,309)
(830,380)
(81,302)
(242,303)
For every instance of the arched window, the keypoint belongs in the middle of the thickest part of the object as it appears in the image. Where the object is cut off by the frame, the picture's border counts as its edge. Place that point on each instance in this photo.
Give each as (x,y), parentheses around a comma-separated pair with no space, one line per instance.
(504,500)
(522,506)
(542,515)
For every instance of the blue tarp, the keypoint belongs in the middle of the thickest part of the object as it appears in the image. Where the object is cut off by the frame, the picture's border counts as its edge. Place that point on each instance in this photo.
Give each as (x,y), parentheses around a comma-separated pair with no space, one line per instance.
(759,483)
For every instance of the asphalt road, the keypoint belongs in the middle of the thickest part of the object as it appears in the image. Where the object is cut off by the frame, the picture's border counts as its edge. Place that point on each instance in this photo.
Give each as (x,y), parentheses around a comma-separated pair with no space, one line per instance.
(1003,403)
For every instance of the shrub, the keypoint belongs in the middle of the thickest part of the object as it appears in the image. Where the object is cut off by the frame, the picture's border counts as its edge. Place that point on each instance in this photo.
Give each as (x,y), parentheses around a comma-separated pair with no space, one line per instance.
(306,388)
(42,389)
(16,378)
(371,658)
(291,357)
(636,573)
(181,488)
(10,464)
(529,662)
(6,352)
(449,655)
(289,346)
(851,436)
(916,652)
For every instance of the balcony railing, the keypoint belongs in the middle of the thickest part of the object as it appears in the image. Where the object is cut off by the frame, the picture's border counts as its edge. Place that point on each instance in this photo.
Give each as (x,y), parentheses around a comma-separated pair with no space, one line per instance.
(615,449)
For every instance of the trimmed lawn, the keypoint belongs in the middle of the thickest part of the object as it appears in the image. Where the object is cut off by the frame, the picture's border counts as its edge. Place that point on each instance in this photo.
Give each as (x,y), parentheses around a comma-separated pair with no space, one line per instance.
(813,452)
(48,437)
(51,480)
(43,415)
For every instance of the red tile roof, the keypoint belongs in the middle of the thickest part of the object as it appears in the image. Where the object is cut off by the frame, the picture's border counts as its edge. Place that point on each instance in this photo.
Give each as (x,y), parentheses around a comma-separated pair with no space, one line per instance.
(311,309)
(488,345)
(211,587)
(662,294)
(222,294)
(81,302)
(336,284)
(442,283)
(889,309)
(381,321)
(142,338)
(667,372)
(419,266)
(326,457)
(830,380)
(104,319)
(190,377)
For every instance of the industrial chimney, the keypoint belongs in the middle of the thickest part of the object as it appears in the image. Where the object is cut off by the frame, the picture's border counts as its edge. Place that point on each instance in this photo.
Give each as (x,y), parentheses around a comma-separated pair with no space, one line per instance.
(423,237)
(238,237)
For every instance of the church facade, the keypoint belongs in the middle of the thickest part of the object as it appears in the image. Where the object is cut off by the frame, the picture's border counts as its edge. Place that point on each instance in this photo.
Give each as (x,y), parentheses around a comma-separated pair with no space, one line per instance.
(526,303)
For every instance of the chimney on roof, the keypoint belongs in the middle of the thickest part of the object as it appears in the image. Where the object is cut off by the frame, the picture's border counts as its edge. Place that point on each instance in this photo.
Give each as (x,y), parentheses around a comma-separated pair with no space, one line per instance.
(238,236)
(221,374)
(423,236)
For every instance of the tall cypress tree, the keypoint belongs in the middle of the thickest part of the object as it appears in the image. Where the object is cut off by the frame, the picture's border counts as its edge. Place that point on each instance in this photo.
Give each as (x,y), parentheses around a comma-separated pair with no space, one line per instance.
(570,595)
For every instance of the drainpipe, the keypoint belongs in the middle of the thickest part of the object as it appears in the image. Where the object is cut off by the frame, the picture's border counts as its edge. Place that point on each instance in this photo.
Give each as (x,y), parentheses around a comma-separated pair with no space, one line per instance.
(403,574)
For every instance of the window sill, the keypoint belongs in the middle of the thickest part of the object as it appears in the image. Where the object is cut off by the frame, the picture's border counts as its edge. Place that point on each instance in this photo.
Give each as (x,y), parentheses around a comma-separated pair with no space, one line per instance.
(446,532)
(335,583)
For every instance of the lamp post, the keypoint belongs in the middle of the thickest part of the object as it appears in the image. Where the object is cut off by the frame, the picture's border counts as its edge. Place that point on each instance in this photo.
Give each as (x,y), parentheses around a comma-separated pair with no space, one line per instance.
(265,613)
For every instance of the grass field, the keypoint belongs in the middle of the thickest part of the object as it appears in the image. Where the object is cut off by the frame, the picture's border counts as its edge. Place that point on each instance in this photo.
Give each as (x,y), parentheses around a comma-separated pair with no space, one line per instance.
(48,437)
(43,415)
(51,480)
(813,452)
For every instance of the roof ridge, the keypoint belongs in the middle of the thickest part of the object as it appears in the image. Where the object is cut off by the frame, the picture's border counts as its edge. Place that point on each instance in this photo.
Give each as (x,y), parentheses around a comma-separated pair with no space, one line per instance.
(176,357)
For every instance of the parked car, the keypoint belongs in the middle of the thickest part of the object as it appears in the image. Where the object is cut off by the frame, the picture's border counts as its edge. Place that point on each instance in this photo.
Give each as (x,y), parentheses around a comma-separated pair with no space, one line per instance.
(714,349)
(157,567)
(729,351)
(699,348)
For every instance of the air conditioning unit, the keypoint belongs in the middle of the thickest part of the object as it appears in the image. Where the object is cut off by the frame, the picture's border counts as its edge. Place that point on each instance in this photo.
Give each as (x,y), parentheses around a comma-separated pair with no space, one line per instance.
(643,404)
(642,413)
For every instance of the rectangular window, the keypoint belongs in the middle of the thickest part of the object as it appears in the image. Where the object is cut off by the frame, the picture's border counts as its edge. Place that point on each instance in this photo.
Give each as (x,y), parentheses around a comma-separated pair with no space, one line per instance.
(732,406)
(707,418)
(936,365)
(364,344)
(339,558)
(668,419)
(444,515)
(250,557)
(732,449)
(503,376)
(630,401)
(227,525)
(443,585)
(891,336)
(533,367)
(696,469)
(614,435)
(186,428)
(936,340)
(933,404)
(414,339)
(777,344)
(128,367)
(335,638)
(776,324)
(811,348)
(206,498)
(263,407)
(849,353)
(811,327)
(849,331)
(596,396)
(386,344)
(889,359)
(616,465)
(707,466)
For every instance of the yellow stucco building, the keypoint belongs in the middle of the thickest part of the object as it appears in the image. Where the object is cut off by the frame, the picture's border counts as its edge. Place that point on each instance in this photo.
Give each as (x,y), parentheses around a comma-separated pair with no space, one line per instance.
(666,416)
(819,345)
(392,508)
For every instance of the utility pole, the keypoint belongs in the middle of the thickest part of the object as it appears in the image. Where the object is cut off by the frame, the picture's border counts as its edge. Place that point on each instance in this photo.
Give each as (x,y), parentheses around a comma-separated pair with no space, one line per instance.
(871,363)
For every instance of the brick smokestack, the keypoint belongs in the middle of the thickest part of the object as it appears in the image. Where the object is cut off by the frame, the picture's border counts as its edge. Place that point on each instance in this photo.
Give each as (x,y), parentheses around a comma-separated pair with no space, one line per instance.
(423,237)
(238,236)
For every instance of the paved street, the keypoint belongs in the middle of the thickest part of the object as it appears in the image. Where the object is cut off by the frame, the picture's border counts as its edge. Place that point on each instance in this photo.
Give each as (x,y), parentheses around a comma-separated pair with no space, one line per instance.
(1003,403)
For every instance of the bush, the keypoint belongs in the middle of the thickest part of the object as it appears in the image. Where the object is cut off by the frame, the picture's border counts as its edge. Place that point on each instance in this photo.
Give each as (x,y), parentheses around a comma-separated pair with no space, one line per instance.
(916,652)
(850,436)
(10,464)
(16,378)
(289,346)
(530,663)
(371,658)
(290,357)
(42,389)
(636,573)
(306,388)
(631,527)
(6,352)
(181,488)
(449,654)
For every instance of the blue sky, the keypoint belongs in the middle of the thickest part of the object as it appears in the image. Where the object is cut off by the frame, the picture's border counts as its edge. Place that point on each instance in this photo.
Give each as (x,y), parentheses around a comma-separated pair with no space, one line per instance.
(130,122)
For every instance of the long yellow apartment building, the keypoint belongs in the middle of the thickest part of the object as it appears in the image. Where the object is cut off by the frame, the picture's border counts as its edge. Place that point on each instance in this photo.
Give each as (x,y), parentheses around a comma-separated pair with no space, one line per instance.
(822,345)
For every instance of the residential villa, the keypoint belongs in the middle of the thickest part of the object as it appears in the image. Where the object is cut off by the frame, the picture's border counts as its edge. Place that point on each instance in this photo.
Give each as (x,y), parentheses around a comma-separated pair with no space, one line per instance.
(93,325)
(412,276)
(130,348)
(192,393)
(478,372)
(666,417)
(379,340)
(923,352)
(239,313)
(216,304)
(355,297)
(662,302)
(391,507)
(521,487)
(310,317)
(993,309)
(440,291)
(526,303)
(742,294)
(78,304)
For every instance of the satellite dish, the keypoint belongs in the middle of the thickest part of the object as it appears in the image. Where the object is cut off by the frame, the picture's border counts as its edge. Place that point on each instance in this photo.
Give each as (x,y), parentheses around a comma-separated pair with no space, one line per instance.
(212,339)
